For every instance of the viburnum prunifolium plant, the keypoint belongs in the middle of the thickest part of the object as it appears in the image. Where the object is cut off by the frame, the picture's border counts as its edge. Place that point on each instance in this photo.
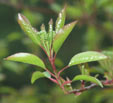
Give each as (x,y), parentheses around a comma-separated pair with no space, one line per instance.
(51,41)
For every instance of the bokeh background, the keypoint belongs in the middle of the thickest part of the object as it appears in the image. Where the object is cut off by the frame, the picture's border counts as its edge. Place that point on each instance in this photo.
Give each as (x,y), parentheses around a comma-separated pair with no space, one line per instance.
(94,31)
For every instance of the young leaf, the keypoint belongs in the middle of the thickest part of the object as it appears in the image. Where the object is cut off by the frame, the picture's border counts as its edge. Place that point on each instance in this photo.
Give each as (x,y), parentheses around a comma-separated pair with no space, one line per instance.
(61,36)
(85,57)
(50,31)
(36,75)
(88,78)
(26,58)
(28,29)
(60,20)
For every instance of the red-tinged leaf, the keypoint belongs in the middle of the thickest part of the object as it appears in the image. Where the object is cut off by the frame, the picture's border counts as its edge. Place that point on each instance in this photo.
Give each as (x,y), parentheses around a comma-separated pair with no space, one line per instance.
(28,29)
(50,32)
(60,20)
(61,36)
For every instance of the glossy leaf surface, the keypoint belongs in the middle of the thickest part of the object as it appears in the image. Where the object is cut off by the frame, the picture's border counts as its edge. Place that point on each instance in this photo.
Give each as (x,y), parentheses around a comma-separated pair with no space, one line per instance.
(36,75)
(28,29)
(88,78)
(26,58)
(61,36)
(60,20)
(85,57)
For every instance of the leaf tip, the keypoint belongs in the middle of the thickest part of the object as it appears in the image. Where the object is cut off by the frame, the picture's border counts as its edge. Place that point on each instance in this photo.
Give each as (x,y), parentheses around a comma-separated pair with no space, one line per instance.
(32,78)
(74,22)
(22,18)
(32,81)
(102,86)
(7,58)
(42,27)
(51,22)
(64,9)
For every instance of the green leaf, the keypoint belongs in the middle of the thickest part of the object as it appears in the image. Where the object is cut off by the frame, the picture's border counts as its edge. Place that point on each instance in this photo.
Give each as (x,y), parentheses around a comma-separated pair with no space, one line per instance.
(85,57)
(61,36)
(36,75)
(46,74)
(109,54)
(107,64)
(50,32)
(88,78)
(28,29)
(60,20)
(26,58)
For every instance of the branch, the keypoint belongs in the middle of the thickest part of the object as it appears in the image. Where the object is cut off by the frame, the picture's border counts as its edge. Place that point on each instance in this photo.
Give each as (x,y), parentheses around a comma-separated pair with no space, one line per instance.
(78,91)
(54,80)
(50,72)
(82,89)
(62,70)
(52,64)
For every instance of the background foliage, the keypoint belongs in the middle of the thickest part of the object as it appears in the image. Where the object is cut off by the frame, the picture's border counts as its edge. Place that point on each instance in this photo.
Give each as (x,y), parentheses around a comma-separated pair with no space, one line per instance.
(93,32)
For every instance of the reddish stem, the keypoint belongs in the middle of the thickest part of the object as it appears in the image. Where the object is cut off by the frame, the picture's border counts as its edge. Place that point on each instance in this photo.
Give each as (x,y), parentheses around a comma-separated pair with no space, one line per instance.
(52,64)
(82,89)
(107,82)
(66,82)
(54,56)
(56,74)
(62,70)
(50,73)
(50,53)
(82,84)
(44,51)
(52,60)
(54,80)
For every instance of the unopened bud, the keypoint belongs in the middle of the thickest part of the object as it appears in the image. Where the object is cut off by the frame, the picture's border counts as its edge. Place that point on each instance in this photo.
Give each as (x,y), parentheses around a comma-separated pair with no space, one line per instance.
(51,22)
(22,18)
(42,27)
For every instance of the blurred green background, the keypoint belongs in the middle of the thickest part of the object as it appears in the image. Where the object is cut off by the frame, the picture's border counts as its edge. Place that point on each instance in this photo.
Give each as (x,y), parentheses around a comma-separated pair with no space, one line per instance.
(94,31)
